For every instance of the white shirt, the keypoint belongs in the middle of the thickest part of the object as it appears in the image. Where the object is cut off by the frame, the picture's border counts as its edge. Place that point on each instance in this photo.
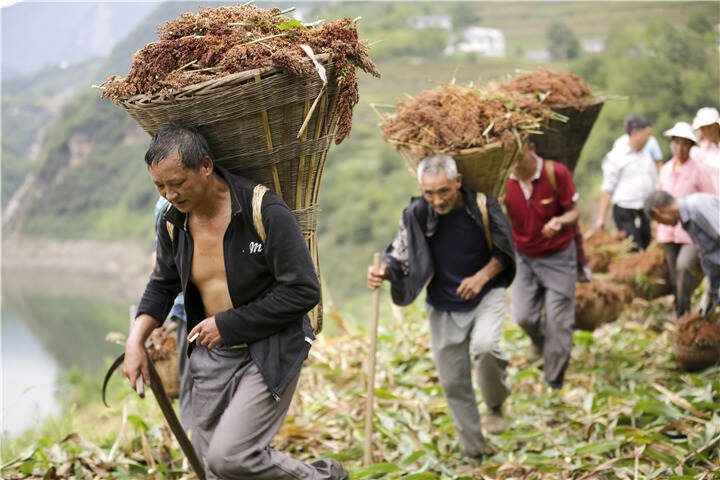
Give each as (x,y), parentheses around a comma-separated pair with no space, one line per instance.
(631,176)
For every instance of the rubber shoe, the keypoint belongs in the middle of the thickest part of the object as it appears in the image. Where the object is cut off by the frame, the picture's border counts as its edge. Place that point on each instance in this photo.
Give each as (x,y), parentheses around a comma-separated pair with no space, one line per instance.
(495,422)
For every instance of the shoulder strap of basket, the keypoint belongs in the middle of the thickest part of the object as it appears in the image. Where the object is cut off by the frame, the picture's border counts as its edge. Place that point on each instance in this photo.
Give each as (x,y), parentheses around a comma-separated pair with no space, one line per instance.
(258,194)
(550,171)
(482,205)
(169,225)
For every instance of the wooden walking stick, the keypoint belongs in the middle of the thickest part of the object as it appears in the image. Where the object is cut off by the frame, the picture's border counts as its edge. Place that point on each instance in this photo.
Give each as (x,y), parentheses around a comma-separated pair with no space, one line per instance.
(367,458)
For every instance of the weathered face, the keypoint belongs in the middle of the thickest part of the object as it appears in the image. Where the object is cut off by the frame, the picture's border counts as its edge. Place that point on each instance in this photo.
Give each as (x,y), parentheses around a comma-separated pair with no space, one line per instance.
(183,187)
(710,132)
(681,148)
(440,192)
(639,137)
(666,215)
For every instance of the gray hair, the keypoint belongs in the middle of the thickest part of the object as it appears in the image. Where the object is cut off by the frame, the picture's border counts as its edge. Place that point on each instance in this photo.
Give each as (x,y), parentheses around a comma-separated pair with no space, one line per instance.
(437,163)
(657,199)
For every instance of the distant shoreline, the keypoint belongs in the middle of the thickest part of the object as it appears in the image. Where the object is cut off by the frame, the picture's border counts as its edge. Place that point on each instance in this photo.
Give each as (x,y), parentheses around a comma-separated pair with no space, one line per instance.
(122,266)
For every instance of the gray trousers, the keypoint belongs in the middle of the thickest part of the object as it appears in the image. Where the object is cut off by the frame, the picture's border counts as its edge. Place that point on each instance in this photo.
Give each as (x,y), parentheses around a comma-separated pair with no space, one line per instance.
(186,381)
(547,282)
(683,262)
(455,338)
(236,417)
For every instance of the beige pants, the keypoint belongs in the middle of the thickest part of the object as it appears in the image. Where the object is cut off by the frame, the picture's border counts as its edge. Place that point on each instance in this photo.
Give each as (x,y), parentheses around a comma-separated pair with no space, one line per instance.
(458,338)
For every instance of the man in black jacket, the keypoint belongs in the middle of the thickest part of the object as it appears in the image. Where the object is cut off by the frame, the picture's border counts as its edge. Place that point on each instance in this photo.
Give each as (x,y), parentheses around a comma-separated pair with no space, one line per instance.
(246,302)
(460,242)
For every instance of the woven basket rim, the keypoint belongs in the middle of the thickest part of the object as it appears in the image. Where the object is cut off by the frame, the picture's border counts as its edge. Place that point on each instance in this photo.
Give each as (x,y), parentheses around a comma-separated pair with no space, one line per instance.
(212,85)
(466,151)
(694,349)
(596,101)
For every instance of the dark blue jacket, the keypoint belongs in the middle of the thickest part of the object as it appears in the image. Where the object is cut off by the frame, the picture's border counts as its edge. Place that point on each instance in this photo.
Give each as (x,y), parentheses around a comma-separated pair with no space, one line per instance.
(408,257)
(272,287)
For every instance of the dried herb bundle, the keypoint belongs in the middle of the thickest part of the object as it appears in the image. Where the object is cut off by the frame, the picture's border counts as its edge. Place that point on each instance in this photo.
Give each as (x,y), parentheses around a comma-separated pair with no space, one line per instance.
(644,272)
(599,301)
(217,42)
(554,88)
(602,247)
(456,117)
(692,332)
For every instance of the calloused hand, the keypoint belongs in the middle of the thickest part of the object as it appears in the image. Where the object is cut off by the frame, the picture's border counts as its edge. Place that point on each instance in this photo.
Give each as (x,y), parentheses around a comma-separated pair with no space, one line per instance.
(135,364)
(470,287)
(552,227)
(208,333)
(376,277)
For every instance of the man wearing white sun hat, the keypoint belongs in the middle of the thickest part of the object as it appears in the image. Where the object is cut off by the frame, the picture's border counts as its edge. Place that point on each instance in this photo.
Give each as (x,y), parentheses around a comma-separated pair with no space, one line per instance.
(681,176)
(707,125)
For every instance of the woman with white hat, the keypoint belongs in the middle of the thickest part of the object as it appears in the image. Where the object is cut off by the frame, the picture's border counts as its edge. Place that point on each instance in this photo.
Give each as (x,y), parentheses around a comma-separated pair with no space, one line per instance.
(681,176)
(707,151)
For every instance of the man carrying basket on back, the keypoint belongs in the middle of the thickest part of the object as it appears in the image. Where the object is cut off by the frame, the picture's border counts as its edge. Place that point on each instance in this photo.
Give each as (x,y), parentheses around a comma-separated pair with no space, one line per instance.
(460,242)
(246,296)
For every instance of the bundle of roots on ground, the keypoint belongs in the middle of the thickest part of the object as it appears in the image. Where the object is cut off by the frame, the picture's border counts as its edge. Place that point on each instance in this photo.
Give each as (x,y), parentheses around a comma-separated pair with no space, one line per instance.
(644,272)
(217,42)
(554,88)
(602,247)
(455,117)
(693,332)
(599,301)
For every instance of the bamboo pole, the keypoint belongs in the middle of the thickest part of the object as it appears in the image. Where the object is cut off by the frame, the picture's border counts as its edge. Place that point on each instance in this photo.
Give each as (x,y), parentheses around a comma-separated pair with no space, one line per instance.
(367,458)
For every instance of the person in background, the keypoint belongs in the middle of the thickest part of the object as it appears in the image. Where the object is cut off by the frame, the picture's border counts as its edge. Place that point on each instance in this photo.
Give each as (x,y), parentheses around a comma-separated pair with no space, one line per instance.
(177,315)
(681,176)
(698,215)
(629,176)
(459,245)
(542,216)
(707,151)
(652,147)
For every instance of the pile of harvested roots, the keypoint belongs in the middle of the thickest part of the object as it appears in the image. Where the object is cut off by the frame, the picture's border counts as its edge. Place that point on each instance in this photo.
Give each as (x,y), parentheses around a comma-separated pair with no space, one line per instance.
(217,42)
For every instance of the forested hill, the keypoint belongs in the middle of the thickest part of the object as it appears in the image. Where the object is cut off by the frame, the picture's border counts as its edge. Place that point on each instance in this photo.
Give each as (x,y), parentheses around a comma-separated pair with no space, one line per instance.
(88,179)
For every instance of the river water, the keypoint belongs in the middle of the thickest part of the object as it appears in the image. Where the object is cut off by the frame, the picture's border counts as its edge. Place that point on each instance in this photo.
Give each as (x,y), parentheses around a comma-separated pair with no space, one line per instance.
(53,324)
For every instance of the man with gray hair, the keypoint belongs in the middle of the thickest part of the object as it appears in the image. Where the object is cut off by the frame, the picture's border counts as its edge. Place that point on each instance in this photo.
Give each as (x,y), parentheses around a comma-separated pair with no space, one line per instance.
(458,243)
(699,214)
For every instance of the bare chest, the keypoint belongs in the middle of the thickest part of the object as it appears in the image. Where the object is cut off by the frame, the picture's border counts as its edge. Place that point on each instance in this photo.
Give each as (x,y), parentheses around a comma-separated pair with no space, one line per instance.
(208,260)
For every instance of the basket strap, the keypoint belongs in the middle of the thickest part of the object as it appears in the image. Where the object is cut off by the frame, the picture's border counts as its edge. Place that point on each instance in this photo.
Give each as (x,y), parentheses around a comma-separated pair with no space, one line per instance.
(258,194)
(482,205)
(550,171)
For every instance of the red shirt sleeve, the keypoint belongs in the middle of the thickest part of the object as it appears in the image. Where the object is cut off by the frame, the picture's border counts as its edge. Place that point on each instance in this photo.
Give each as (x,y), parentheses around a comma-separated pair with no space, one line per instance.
(565,186)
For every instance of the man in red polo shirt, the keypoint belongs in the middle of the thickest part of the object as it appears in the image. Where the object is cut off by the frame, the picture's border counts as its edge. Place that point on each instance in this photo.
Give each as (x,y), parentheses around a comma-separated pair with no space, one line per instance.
(542,206)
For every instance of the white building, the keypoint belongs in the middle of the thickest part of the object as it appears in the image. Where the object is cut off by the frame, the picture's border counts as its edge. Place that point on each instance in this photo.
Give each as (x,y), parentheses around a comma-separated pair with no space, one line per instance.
(420,22)
(488,41)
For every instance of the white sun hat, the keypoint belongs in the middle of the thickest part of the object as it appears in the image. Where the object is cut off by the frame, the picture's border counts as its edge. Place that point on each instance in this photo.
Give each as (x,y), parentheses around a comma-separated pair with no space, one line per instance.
(706,116)
(682,130)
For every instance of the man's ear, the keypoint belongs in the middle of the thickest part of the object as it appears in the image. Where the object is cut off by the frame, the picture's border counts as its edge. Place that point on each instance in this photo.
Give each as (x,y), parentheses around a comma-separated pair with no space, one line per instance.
(458,178)
(208,166)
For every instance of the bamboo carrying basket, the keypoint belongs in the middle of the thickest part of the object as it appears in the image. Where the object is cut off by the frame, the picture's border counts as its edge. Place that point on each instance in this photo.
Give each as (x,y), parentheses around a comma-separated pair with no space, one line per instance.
(167,369)
(484,169)
(251,120)
(692,359)
(563,142)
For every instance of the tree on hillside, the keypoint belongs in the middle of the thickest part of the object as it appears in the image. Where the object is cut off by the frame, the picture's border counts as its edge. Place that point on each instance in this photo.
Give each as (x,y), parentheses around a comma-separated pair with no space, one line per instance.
(562,41)
(699,23)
